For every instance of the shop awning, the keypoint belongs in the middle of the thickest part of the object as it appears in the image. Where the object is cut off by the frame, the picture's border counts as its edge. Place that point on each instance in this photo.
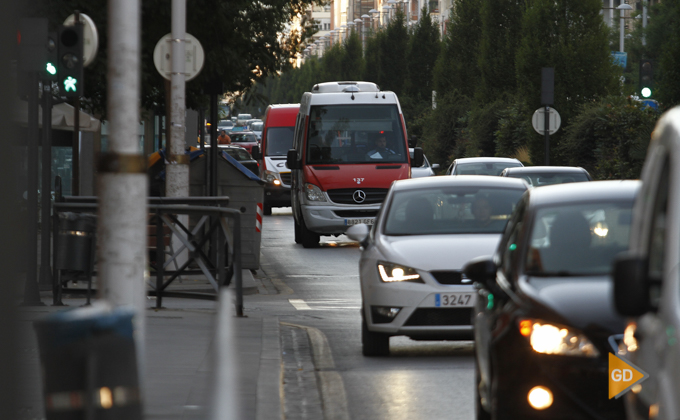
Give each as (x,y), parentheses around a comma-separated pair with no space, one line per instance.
(63,116)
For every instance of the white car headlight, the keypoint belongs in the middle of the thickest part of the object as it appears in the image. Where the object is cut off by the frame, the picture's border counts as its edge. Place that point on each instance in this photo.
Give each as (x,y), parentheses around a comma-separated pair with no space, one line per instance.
(556,339)
(314,193)
(390,273)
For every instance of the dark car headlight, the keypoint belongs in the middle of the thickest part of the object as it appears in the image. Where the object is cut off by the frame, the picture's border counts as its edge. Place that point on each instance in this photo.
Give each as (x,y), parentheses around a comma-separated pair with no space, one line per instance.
(547,338)
(390,273)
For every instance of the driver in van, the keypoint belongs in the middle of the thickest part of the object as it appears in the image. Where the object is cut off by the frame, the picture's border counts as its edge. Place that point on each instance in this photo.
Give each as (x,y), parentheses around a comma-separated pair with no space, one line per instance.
(380,151)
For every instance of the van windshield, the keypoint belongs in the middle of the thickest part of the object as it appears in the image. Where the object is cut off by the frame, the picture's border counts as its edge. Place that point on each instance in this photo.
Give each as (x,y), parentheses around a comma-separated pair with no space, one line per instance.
(340,134)
(279,141)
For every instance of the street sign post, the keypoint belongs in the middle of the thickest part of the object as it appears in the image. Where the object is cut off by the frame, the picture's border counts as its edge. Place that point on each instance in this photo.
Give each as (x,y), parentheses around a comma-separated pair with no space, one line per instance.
(90,36)
(195,57)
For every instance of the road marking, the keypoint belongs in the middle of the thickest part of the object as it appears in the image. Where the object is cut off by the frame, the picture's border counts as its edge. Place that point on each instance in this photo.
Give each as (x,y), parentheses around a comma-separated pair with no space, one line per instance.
(325,304)
(332,385)
(320,276)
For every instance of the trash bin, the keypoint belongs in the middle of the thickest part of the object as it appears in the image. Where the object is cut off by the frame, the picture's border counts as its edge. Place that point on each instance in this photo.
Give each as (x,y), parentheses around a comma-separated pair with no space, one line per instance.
(89,364)
(76,242)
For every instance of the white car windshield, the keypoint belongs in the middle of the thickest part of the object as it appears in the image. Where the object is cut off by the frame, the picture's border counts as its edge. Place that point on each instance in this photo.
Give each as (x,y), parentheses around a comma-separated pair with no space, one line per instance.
(450,210)
(343,134)
(484,168)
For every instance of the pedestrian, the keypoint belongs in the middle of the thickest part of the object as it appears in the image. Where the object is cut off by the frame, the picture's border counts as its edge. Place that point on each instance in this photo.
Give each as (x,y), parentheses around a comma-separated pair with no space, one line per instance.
(223,138)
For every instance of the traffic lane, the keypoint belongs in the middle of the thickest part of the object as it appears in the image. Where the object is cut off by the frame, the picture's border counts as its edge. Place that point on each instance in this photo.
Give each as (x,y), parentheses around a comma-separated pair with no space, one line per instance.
(420,380)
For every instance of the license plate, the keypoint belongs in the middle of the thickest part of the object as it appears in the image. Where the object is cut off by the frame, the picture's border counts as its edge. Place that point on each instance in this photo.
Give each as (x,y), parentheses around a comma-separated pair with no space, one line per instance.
(454,299)
(350,222)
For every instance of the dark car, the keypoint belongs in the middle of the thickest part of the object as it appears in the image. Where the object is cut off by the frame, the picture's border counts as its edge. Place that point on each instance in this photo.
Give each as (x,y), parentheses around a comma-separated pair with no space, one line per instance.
(539,176)
(482,166)
(545,321)
(242,156)
(245,139)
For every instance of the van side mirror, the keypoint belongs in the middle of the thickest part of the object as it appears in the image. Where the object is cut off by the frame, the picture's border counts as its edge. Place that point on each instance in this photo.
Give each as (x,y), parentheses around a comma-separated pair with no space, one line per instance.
(482,270)
(631,285)
(435,166)
(418,158)
(292,159)
(255,152)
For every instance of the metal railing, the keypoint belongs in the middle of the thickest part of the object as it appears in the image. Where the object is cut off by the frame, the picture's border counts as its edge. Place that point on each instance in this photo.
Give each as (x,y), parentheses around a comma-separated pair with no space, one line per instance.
(212,226)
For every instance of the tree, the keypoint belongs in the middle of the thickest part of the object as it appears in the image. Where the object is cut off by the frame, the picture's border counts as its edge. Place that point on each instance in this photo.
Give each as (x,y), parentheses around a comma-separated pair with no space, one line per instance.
(373,58)
(501,33)
(421,55)
(571,37)
(244,42)
(456,67)
(352,66)
(393,55)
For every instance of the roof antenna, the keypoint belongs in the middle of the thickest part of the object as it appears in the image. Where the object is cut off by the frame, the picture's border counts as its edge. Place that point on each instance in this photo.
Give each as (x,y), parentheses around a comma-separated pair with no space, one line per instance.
(352,95)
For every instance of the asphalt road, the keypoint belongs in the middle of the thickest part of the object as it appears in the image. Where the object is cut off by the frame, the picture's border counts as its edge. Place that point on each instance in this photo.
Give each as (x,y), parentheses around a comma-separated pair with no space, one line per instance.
(420,380)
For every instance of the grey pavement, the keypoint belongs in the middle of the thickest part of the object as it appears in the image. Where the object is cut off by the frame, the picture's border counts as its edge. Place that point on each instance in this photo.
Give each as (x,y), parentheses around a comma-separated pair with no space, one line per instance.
(188,343)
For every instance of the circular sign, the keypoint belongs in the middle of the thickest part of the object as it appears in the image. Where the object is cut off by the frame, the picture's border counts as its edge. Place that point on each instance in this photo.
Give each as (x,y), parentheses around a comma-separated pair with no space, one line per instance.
(90,37)
(538,120)
(195,57)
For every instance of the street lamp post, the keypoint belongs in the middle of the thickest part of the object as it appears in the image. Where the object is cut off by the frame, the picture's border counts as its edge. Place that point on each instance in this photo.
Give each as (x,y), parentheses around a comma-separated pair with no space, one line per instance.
(622,7)
(376,17)
(366,19)
(385,14)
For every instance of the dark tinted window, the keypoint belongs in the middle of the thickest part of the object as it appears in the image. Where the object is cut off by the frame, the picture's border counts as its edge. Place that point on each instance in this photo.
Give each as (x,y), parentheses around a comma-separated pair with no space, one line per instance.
(238,154)
(243,137)
(279,140)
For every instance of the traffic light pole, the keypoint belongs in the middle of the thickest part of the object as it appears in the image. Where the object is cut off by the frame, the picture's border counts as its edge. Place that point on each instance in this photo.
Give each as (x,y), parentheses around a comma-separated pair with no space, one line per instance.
(31,292)
(75,148)
(46,187)
(546,132)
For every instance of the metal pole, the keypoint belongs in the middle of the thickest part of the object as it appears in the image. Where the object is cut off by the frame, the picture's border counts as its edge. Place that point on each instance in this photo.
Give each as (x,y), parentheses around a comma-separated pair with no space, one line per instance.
(213,140)
(177,171)
(621,25)
(122,180)
(46,187)
(75,147)
(546,132)
(644,21)
(611,13)
(31,292)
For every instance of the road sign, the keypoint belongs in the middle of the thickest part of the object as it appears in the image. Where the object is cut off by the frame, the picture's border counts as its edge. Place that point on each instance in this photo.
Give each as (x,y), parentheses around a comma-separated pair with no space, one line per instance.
(90,37)
(538,121)
(162,56)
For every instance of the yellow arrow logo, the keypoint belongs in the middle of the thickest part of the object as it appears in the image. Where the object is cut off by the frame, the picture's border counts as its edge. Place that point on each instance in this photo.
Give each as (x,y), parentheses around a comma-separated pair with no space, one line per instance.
(622,376)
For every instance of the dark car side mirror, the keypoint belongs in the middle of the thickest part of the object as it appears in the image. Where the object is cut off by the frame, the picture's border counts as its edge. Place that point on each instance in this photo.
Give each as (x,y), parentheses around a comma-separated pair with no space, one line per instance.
(292,159)
(631,285)
(256,153)
(482,270)
(418,158)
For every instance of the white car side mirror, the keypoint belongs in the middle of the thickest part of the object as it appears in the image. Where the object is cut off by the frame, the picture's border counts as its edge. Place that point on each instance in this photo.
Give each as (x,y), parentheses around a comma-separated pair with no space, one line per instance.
(358,232)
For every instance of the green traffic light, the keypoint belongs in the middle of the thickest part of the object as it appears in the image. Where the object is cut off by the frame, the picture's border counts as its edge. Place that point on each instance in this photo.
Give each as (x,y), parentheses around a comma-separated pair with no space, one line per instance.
(70,84)
(646,92)
(51,69)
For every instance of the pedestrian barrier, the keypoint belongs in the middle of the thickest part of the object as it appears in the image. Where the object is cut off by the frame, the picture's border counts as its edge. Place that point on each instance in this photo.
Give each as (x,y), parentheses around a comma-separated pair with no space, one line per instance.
(212,223)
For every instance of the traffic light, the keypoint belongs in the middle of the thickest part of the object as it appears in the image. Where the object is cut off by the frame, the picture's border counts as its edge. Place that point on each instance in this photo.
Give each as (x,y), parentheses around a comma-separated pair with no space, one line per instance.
(50,69)
(646,78)
(70,64)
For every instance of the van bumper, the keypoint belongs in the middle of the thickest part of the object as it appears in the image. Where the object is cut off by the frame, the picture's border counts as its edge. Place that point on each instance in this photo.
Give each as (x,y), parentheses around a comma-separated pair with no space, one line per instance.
(335,219)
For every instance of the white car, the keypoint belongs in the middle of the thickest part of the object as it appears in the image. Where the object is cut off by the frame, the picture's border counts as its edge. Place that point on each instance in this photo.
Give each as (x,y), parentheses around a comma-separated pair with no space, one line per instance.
(426,169)
(411,266)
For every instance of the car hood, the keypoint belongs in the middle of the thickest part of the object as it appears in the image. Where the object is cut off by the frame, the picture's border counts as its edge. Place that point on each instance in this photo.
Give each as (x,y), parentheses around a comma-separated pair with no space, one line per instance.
(583,302)
(437,252)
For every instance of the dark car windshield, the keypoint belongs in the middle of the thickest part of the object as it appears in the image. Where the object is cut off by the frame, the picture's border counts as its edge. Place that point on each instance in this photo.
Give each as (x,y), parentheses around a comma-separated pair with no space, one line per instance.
(343,134)
(238,154)
(484,168)
(450,210)
(575,240)
(547,178)
(279,141)
(243,137)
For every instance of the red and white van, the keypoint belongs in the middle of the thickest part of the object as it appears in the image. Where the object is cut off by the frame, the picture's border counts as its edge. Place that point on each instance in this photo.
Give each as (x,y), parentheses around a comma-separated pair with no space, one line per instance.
(277,139)
(341,168)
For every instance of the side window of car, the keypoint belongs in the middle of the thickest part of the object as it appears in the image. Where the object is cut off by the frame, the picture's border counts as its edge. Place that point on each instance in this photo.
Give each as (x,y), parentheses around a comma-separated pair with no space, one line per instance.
(657,238)
(510,245)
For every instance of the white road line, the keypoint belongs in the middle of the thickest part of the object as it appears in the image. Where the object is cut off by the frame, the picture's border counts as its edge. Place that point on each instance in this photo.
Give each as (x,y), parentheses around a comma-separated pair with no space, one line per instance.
(299,304)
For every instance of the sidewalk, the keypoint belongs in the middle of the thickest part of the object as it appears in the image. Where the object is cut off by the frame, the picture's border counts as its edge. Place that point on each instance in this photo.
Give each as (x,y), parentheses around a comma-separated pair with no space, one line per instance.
(183,379)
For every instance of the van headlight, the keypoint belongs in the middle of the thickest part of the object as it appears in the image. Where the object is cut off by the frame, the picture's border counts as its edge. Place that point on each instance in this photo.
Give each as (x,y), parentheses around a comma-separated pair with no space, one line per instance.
(314,193)
(272,177)
(549,338)
(390,273)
